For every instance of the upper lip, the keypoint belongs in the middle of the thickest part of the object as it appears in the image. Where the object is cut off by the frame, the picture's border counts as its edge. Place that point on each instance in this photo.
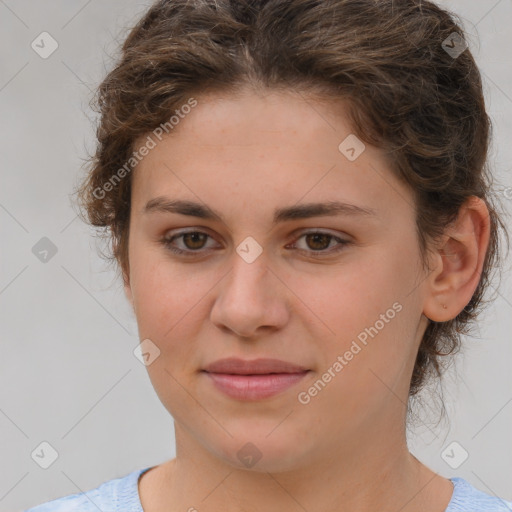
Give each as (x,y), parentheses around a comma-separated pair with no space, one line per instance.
(238,366)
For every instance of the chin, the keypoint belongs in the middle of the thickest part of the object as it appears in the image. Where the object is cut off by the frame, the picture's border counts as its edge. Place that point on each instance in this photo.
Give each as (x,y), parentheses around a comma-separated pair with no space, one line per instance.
(260,452)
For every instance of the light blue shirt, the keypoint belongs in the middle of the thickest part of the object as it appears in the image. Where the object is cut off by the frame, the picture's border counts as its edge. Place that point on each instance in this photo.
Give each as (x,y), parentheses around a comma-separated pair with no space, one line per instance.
(122,495)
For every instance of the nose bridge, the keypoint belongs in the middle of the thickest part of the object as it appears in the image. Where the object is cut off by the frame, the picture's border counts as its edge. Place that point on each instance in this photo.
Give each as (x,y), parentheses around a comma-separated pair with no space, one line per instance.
(248,298)
(248,277)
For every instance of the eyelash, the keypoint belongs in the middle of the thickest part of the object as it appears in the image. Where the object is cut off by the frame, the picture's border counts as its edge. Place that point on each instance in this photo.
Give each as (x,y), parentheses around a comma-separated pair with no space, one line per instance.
(167,243)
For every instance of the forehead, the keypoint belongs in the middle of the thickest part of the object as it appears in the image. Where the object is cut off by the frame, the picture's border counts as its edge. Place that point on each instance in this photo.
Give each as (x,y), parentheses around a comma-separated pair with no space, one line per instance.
(276,147)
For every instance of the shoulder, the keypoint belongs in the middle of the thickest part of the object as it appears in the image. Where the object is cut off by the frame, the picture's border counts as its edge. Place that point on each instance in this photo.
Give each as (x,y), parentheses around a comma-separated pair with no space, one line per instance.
(467,498)
(118,494)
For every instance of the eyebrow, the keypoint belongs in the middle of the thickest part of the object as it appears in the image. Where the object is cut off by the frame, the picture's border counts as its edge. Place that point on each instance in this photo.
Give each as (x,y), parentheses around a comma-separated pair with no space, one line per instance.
(301,211)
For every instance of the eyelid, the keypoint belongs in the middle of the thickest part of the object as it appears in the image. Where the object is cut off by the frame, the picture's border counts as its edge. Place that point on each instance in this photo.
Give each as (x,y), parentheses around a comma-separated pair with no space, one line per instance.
(169,237)
(341,242)
(295,234)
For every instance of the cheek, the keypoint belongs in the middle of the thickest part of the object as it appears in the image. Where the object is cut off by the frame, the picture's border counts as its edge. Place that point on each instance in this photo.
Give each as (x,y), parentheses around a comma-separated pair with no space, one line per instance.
(169,314)
(371,315)
(165,294)
(353,297)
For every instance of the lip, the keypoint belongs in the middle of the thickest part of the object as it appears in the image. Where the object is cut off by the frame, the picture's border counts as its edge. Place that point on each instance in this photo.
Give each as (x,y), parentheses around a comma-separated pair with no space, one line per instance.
(253,380)
(234,365)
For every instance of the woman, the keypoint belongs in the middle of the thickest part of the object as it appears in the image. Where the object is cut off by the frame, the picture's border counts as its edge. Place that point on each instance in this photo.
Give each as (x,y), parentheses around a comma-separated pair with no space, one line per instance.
(299,205)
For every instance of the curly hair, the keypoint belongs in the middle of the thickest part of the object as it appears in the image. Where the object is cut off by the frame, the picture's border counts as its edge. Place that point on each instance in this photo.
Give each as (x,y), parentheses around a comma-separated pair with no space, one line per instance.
(388,59)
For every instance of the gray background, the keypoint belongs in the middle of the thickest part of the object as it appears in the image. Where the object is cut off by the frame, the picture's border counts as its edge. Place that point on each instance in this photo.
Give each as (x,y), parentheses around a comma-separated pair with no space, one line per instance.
(68,375)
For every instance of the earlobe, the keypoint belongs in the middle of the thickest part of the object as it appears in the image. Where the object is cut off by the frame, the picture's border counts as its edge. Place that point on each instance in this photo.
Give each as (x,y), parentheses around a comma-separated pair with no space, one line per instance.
(459,260)
(127,286)
(128,293)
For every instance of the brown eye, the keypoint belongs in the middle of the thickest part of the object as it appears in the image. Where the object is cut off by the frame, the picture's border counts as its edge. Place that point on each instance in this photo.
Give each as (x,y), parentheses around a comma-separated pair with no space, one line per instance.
(194,239)
(192,242)
(318,241)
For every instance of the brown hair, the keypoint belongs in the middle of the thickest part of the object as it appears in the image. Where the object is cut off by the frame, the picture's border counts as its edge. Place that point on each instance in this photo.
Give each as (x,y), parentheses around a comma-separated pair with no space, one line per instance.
(386,58)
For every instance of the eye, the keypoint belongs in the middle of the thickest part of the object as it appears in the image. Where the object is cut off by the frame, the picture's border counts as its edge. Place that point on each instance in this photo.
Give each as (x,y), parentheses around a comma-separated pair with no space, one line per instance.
(193,240)
(318,241)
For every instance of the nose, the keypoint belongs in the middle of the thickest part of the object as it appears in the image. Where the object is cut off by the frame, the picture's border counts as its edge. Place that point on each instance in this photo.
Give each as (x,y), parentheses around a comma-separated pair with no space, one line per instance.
(250,299)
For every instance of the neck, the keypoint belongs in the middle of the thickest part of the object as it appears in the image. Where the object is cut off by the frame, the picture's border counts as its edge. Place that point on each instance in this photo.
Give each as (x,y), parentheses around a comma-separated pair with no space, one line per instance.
(356,478)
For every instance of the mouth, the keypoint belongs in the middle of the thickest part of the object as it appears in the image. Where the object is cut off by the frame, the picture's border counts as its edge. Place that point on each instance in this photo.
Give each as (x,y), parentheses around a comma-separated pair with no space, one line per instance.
(253,380)
(236,366)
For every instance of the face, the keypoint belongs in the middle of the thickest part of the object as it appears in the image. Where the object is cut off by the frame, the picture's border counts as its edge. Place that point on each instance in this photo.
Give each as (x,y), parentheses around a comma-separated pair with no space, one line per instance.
(338,294)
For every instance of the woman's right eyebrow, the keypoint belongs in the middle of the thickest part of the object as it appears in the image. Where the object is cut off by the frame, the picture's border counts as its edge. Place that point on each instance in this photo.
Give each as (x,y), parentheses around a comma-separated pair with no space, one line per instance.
(164,204)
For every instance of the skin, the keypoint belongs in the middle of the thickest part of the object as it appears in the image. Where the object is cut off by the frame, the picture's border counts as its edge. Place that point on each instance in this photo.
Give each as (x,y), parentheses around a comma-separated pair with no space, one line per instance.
(244,156)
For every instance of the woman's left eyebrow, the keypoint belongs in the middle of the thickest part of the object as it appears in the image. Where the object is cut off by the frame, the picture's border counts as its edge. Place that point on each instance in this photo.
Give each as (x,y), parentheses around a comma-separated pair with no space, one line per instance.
(300,211)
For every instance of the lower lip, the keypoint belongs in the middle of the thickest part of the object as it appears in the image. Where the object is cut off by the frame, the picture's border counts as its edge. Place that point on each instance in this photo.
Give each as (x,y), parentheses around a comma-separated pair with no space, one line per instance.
(254,387)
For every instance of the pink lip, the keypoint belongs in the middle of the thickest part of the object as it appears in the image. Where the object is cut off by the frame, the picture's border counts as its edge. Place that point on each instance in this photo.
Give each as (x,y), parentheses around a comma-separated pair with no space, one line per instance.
(254,387)
(253,380)
(253,367)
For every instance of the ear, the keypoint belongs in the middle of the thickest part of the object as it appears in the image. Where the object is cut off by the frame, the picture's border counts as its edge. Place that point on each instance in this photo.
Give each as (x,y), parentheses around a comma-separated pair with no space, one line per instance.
(457,262)
(127,285)
(128,293)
